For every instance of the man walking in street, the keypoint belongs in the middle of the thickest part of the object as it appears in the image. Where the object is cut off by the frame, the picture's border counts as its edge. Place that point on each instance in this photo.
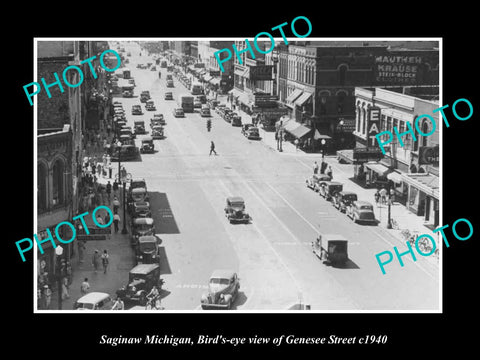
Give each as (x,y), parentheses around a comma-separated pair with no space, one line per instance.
(105,261)
(330,172)
(84,287)
(109,190)
(115,188)
(315,168)
(96,261)
(212,148)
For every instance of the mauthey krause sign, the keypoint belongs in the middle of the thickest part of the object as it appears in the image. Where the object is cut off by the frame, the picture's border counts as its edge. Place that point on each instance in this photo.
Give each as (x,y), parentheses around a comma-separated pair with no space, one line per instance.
(398,69)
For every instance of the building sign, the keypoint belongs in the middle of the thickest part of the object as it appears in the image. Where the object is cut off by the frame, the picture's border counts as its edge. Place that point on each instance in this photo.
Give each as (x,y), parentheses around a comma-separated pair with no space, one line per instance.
(250,62)
(392,69)
(367,154)
(373,125)
(270,112)
(264,100)
(348,125)
(263,72)
(428,155)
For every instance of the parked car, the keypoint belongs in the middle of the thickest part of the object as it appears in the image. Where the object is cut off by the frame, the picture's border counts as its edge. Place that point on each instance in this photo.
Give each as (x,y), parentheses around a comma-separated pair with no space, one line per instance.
(170,83)
(314,181)
(178,112)
(329,189)
(94,301)
(141,280)
(235,210)
(253,133)
(157,132)
(223,289)
(137,183)
(127,152)
(361,211)
(141,226)
(344,199)
(147,145)
(168,96)
(141,209)
(147,250)
(205,111)
(127,94)
(245,127)
(236,120)
(139,127)
(150,106)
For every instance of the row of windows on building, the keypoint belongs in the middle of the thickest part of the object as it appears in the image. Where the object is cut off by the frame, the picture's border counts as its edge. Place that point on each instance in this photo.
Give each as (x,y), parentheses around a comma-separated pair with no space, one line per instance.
(51,184)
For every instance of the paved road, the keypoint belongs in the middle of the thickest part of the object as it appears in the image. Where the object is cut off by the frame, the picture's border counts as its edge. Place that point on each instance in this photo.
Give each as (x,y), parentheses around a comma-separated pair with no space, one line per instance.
(272,254)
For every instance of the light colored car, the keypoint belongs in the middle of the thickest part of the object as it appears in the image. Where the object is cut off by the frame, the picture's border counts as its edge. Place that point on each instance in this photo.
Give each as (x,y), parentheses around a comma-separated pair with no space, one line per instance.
(205,111)
(222,290)
(178,112)
(94,301)
(361,211)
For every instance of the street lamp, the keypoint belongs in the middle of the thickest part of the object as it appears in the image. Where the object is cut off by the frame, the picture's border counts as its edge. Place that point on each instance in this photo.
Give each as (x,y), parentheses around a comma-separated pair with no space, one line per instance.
(58,271)
(323,148)
(389,219)
(124,229)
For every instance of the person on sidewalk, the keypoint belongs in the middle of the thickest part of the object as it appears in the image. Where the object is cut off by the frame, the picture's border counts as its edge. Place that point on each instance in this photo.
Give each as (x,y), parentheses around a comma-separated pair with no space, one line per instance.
(118,305)
(115,188)
(84,287)
(65,294)
(383,195)
(116,205)
(392,196)
(116,221)
(81,249)
(330,172)
(47,293)
(315,168)
(323,166)
(96,260)
(105,261)
(212,148)
(109,190)
(377,197)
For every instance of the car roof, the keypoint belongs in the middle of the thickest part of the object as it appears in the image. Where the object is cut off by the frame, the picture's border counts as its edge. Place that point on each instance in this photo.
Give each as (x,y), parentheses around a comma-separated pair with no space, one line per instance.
(143,220)
(235,199)
(333,183)
(347,193)
(361,202)
(222,273)
(93,297)
(141,203)
(147,239)
(139,190)
(138,180)
(147,138)
(333,237)
(143,268)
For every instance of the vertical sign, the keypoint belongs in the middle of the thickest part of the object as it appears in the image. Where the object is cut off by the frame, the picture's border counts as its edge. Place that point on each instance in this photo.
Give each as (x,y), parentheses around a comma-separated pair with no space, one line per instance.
(373,125)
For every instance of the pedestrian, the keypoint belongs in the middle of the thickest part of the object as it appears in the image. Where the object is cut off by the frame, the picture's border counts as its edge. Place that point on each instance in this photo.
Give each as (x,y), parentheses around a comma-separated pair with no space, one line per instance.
(47,293)
(99,169)
(65,294)
(323,166)
(115,188)
(116,205)
(392,196)
(107,218)
(100,220)
(110,168)
(377,197)
(315,168)
(296,142)
(108,190)
(81,249)
(84,287)
(69,272)
(116,220)
(39,299)
(96,260)
(105,261)
(330,172)
(383,195)
(212,148)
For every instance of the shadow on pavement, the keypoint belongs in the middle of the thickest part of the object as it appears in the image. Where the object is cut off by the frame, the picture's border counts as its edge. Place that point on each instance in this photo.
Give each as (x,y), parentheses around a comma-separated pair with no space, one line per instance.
(349,264)
(162,214)
(240,300)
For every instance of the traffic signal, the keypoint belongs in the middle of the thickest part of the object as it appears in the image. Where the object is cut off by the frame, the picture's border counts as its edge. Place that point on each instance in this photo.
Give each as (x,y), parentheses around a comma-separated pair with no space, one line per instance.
(209,124)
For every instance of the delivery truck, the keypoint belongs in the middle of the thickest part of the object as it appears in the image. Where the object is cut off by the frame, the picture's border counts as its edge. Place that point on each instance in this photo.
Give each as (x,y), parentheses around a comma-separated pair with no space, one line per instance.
(186,103)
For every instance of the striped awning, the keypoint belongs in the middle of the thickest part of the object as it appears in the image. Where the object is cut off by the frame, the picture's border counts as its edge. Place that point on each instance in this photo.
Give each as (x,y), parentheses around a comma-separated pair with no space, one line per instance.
(303,98)
(300,131)
(377,167)
(293,96)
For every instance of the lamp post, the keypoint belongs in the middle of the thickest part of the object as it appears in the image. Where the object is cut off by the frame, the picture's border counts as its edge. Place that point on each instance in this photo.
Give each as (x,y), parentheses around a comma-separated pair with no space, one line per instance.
(389,219)
(323,148)
(58,271)
(124,229)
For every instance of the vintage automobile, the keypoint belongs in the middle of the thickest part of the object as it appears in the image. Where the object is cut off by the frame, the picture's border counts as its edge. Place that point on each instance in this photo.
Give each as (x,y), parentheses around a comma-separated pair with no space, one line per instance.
(235,210)
(205,111)
(127,152)
(137,183)
(153,68)
(127,93)
(137,194)
(178,112)
(222,290)
(139,127)
(141,280)
(253,133)
(137,110)
(147,250)
(127,130)
(157,132)
(361,211)
(313,182)
(141,226)
(212,103)
(170,83)
(245,127)
(147,145)
(236,120)
(220,108)
(197,104)
(168,96)
(140,209)
(328,189)
(126,139)
(169,77)
(343,199)
(150,106)
(331,247)
(94,301)
(226,114)
(157,119)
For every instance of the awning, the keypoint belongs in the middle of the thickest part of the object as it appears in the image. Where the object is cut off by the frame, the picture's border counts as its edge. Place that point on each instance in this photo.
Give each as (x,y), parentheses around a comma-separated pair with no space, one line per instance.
(242,97)
(303,98)
(300,131)
(291,125)
(293,96)
(284,119)
(377,167)
(318,136)
(427,183)
(395,177)
(214,81)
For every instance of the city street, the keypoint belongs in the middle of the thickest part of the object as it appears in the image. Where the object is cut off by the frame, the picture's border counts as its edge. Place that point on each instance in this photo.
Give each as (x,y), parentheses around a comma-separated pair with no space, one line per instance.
(273,254)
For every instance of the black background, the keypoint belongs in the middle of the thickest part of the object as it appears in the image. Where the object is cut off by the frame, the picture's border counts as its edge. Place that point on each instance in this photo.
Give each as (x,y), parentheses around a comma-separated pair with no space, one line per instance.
(408,334)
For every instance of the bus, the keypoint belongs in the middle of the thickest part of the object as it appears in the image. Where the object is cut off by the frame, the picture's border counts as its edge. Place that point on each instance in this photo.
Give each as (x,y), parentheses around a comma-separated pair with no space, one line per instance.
(197,88)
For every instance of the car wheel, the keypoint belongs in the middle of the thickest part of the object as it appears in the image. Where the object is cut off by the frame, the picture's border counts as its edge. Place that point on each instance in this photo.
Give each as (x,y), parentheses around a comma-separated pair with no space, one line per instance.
(354,218)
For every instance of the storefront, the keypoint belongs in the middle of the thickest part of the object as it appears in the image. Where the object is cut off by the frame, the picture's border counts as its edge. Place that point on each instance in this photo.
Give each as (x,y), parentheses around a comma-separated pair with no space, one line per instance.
(423,196)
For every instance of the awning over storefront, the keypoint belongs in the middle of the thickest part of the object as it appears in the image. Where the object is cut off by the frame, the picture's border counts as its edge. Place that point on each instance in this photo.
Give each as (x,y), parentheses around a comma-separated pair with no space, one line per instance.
(377,167)
(284,120)
(214,81)
(242,97)
(291,125)
(426,183)
(300,131)
(303,98)
(293,96)
(318,136)
(395,177)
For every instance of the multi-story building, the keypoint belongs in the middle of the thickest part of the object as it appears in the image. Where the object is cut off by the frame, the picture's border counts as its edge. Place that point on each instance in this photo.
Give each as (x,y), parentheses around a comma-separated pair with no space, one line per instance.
(220,80)
(410,167)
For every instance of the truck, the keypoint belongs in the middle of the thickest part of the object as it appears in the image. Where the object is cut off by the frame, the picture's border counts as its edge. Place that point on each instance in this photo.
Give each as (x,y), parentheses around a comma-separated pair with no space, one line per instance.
(186,103)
